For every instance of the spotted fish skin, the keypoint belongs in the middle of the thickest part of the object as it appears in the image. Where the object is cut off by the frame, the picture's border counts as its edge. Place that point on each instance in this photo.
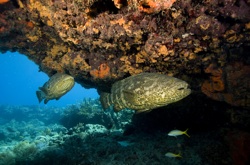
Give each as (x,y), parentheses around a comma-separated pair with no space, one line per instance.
(144,92)
(57,86)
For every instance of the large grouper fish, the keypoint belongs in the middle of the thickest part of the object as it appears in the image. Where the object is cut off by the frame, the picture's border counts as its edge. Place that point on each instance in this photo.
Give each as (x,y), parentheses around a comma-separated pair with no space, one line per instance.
(57,86)
(144,92)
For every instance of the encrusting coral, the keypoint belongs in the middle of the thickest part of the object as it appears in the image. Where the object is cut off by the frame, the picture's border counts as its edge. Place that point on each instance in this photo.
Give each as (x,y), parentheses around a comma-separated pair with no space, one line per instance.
(216,82)
(3,1)
(154,6)
(222,84)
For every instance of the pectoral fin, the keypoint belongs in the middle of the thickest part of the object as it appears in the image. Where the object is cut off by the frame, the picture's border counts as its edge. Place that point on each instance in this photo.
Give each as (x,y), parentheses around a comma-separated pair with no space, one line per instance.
(131,97)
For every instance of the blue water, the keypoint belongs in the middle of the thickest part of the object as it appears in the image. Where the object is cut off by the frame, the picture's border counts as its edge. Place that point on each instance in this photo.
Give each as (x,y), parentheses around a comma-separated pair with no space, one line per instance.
(20,78)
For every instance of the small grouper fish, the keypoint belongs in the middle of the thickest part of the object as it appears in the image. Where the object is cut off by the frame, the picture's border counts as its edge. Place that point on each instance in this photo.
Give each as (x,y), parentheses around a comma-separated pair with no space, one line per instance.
(57,86)
(144,92)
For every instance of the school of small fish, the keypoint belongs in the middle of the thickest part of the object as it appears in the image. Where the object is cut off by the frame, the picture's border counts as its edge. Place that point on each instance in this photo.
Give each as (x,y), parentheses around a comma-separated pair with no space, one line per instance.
(176,133)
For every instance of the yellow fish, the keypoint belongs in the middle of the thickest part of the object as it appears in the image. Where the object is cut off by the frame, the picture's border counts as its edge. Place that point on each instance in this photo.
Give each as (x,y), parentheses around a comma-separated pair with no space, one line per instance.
(172,155)
(178,133)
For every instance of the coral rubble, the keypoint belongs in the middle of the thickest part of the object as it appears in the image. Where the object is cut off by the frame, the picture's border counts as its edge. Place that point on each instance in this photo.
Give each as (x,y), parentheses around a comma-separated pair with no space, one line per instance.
(101,41)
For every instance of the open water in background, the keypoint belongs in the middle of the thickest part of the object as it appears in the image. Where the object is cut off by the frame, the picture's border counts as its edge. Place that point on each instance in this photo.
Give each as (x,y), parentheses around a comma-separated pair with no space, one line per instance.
(20,78)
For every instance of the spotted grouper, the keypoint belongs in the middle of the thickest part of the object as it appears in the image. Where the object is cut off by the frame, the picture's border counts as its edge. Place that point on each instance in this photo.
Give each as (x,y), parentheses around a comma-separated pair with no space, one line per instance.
(57,86)
(144,92)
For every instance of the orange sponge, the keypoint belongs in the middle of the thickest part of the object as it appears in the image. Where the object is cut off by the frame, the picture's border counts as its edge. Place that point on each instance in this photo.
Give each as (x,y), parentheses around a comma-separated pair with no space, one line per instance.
(3,1)
(102,72)
(153,6)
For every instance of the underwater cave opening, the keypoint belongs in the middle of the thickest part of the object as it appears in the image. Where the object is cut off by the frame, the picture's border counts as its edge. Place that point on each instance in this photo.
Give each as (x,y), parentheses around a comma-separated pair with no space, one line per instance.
(20,79)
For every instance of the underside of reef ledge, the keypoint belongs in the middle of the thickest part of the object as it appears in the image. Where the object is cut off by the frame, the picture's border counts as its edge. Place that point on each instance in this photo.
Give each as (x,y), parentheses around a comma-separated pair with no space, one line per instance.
(98,42)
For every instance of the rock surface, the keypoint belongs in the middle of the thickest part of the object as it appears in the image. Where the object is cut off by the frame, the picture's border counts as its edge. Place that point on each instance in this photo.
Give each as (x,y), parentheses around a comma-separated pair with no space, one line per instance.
(98,42)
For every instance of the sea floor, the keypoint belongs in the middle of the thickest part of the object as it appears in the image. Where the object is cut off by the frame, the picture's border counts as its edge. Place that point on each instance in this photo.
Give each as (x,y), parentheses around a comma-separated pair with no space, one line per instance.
(37,141)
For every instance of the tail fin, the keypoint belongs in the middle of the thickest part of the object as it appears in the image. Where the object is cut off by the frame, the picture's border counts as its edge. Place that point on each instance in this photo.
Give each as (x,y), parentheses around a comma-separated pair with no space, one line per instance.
(40,96)
(178,155)
(185,132)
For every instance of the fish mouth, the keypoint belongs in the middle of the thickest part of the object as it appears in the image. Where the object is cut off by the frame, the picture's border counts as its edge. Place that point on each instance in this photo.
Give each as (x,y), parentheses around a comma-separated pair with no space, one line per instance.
(181,88)
(184,87)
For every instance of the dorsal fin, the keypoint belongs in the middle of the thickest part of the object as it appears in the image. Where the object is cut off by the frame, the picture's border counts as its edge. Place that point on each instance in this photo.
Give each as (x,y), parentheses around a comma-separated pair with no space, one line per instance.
(130,95)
